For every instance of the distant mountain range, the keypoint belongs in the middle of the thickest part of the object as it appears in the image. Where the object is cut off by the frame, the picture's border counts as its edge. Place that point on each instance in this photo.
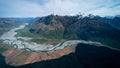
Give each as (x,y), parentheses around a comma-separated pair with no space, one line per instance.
(6,24)
(25,20)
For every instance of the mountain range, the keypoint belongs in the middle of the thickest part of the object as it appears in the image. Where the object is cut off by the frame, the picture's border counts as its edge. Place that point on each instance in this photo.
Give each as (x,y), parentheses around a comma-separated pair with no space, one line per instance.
(105,30)
(93,28)
(24,20)
(6,24)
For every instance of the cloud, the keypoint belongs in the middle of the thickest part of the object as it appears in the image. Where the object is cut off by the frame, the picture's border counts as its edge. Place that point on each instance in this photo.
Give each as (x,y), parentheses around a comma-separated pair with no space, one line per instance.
(34,8)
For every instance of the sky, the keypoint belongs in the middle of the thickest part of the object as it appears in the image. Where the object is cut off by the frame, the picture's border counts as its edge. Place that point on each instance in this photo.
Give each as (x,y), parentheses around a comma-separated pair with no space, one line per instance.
(38,8)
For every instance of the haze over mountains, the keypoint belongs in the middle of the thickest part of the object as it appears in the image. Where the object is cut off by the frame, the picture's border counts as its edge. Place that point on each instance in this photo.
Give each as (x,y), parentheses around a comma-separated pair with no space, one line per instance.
(6,24)
(25,20)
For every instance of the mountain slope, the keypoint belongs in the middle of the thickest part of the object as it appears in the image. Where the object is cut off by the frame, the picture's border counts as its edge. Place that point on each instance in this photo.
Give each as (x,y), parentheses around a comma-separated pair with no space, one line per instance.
(114,21)
(67,25)
(73,27)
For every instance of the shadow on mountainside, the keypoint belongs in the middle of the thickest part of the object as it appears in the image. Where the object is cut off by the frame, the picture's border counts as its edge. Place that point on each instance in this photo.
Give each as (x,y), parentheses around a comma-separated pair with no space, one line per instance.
(85,56)
(97,56)
(2,61)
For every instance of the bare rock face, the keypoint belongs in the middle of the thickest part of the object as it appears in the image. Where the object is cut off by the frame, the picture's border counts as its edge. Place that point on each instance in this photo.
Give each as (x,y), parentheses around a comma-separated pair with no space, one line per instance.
(46,25)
